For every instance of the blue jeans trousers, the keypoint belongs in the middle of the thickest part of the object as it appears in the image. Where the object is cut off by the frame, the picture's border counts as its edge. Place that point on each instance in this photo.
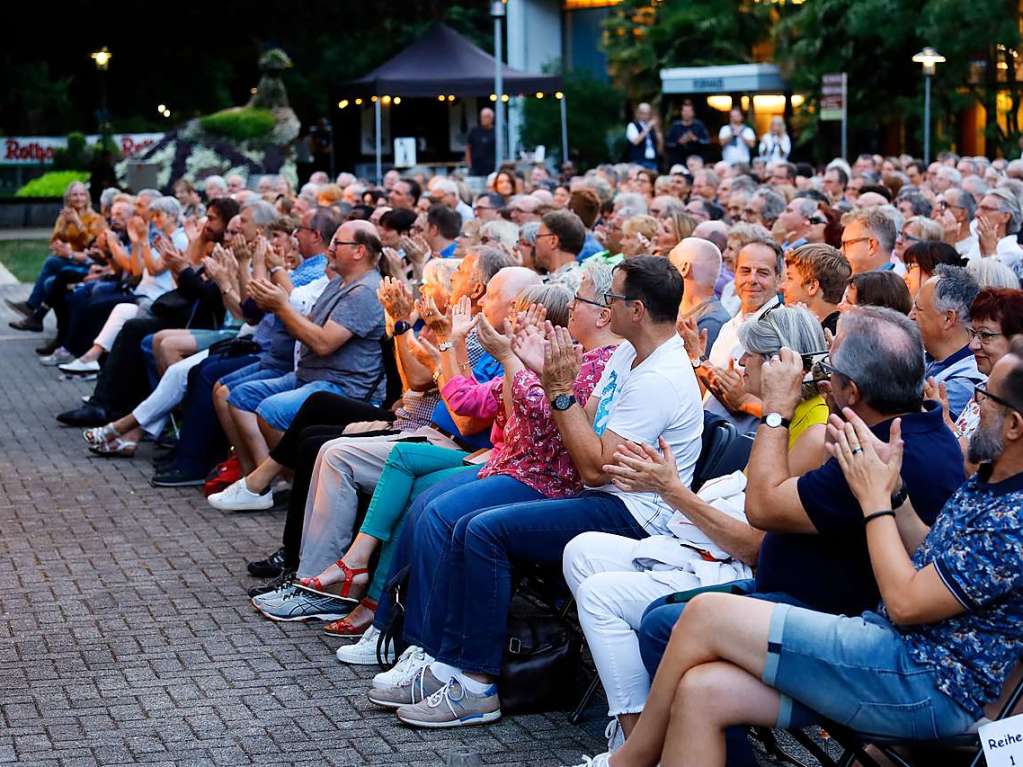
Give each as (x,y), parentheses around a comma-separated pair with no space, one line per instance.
(51,267)
(478,578)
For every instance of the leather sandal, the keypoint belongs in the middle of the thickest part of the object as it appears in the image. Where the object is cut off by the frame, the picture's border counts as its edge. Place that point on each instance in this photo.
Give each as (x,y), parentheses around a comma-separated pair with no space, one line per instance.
(316,587)
(345,628)
(119,448)
(99,435)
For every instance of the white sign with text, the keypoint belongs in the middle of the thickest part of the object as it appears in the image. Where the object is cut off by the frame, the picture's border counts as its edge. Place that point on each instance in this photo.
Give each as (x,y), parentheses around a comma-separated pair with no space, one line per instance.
(1003,742)
(35,150)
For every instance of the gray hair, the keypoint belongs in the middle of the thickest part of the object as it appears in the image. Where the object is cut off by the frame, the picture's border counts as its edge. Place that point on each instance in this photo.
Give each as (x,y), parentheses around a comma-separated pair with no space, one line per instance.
(875,221)
(774,247)
(1008,204)
(992,273)
(492,260)
(882,352)
(964,200)
(919,205)
(929,228)
(152,194)
(669,203)
(263,213)
(600,275)
(107,196)
(216,181)
(806,206)
(975,185)
(895,215)
(438,271)
(710,177)
(790,326)
(955,288)
(629,204)
(169,206)
(554,298)
(528,231)
(950,174)
(774,203)
(505,232)
(744,183)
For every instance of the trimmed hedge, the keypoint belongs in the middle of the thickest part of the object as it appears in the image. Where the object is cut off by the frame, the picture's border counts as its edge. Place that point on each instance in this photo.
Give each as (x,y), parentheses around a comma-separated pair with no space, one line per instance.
(239,123)
(52,184)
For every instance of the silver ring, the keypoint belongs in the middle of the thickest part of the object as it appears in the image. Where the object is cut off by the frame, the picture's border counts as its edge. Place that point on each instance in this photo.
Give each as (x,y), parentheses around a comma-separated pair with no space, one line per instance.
(857,450)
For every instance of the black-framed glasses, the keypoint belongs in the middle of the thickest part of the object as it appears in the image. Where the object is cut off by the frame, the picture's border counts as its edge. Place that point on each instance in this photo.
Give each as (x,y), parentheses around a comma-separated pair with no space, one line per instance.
(302,227)
(908,237)
(610,297)
(980,391)
(333,245)
(578,298)
(546,234)
(945,205)
(823,369)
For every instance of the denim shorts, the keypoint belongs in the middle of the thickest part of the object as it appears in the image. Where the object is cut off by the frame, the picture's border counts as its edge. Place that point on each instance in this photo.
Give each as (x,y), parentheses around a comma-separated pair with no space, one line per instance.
(257,371)
(277,400)
(856,672)
(204,339)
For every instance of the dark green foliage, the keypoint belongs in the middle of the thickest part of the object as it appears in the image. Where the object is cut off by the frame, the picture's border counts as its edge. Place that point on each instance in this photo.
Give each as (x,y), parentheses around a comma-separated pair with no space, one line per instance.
(239,123)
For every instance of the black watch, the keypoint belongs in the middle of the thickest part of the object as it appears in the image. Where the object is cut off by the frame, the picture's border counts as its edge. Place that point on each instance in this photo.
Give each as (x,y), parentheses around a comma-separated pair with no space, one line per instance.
(899,496)
(562,402)
(774,420)
(401,327)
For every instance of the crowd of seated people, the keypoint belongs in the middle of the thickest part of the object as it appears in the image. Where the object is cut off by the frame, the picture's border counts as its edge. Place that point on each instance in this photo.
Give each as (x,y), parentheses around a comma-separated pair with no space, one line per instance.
(443,386)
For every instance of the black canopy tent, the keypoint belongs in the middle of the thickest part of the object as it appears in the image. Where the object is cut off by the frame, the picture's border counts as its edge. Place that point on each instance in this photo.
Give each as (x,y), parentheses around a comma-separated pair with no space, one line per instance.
(443,63)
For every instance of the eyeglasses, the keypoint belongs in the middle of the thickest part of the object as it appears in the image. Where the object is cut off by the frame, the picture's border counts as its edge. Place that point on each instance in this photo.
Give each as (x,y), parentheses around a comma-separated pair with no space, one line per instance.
(484,207)
(980,391)
(546,234)
(908,237)
(610,297)
(849,243)
(985,336)
(301,228)
(944,205)
(333,246)
(824,369)
(580,299)
(989,209)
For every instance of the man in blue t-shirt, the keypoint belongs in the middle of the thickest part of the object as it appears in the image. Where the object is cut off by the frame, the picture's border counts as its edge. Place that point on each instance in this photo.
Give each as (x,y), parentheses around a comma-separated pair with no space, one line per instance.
(814,553)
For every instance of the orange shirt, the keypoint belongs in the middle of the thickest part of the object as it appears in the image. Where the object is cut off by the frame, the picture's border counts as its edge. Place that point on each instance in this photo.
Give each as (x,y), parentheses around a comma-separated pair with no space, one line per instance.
(79,238)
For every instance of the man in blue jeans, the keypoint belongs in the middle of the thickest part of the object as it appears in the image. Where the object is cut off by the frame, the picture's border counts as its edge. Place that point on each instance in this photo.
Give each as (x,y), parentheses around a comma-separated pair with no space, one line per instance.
(647,391)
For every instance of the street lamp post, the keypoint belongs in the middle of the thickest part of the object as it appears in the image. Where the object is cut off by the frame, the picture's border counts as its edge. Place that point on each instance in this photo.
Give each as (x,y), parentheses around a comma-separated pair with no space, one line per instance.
(928,58)
(497,11)
(102,58)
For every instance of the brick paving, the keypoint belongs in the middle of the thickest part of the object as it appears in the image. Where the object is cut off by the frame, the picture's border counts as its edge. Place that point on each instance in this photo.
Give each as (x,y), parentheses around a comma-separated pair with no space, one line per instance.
(126,636)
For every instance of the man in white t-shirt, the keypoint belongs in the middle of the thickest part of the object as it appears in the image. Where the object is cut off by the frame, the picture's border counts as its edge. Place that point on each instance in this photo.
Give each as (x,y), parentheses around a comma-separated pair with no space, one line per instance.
(647,392)
(736,139)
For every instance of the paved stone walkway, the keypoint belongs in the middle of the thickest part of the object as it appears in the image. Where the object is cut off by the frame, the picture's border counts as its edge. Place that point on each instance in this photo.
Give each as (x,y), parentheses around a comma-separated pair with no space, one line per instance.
(126,636)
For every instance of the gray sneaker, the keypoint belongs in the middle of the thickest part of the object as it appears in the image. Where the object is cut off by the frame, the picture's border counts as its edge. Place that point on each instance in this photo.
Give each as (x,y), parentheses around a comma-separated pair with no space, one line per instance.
(289,603)
(420,686)
(453,706)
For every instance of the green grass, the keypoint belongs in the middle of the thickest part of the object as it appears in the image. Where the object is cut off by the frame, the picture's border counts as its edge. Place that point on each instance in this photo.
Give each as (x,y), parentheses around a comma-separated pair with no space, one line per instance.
(24,257)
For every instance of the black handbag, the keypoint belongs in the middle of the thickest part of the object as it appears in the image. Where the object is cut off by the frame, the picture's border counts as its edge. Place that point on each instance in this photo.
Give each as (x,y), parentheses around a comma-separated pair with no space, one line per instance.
(541,660)
(396,587)
(235,347)
(173,307)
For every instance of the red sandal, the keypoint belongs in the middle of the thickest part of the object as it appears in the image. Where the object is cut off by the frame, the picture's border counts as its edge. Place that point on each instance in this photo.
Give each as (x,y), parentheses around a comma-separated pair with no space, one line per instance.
(313,584)
(345,628)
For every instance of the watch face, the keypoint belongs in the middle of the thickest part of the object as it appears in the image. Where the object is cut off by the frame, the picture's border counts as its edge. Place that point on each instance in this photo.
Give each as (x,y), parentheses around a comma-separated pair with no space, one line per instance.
(773,420)
(562,402)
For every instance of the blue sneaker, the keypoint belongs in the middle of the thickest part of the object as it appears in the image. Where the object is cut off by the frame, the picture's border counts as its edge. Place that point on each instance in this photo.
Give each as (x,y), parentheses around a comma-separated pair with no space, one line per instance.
(453,706)
(290,603)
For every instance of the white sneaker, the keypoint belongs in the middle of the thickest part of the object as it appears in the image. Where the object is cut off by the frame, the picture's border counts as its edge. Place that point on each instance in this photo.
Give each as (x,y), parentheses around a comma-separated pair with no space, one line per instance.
(600,760)
(78,367)
(59,357)
(237,497)
(615,735)
(409,663)
(364,652)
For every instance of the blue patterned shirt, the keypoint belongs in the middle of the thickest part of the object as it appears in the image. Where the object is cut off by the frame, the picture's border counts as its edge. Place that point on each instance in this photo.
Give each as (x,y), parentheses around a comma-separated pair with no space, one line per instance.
(976,545)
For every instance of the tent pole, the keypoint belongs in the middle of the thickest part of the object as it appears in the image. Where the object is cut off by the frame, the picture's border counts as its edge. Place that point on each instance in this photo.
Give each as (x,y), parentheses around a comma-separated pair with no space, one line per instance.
(499,92)
(376,110)
(564,130)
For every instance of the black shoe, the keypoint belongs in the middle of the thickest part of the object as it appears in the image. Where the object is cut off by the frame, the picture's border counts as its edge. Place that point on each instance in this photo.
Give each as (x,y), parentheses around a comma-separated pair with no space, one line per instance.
(283,579)
(48,348)
(30,323)
(21,307)
(164,463)
(270,567)
(175,478)
(85,416)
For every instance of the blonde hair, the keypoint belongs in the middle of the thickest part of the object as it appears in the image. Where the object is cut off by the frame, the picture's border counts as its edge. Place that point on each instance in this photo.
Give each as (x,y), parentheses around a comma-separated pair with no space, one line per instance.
(644,225)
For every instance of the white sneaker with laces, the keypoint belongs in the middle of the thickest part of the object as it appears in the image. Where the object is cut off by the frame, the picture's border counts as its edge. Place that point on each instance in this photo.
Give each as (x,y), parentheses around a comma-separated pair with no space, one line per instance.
(409,662)
(600,760)
(59,357)
(615,735)
(237,497)
(364,652)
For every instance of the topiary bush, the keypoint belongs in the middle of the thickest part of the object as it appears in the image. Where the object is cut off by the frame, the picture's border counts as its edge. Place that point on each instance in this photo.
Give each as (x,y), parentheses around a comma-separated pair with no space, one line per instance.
(239,123)
(51,184)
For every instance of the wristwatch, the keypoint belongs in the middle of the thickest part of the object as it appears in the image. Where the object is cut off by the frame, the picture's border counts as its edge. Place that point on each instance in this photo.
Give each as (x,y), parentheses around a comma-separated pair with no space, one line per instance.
(774,420)
(445,346)
(899,496)
(401,327)
(697,363)
(562,402)
(274,270)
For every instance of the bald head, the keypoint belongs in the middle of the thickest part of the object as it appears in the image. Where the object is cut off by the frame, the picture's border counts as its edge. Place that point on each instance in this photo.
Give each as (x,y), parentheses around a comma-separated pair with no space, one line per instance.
(358,225)
(502,291)
(698,261)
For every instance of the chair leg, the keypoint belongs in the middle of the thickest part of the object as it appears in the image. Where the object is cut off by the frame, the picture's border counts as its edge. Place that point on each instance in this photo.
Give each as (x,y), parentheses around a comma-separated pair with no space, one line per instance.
(591,690)
(815,750)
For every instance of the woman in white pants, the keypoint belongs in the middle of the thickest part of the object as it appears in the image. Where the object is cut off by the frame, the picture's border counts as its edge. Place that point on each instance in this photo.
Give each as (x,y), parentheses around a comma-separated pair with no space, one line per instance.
(156,278)
(614,579)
